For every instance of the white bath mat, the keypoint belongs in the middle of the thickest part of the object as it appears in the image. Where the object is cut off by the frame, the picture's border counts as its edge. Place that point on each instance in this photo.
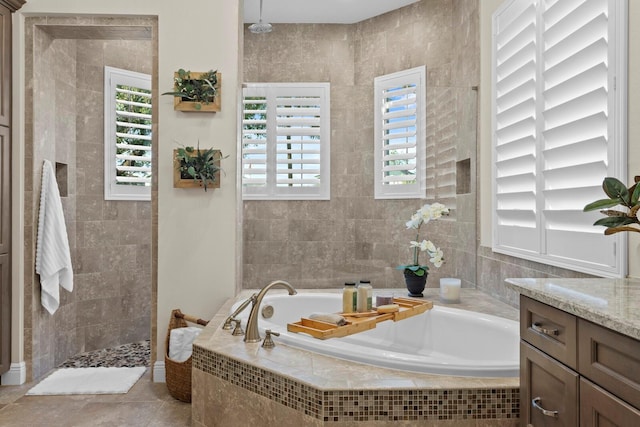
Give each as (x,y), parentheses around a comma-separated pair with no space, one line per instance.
(88,381)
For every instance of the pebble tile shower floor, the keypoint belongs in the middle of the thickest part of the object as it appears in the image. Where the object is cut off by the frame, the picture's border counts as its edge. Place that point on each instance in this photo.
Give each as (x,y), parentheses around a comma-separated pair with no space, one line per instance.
(127,355)
(147,404)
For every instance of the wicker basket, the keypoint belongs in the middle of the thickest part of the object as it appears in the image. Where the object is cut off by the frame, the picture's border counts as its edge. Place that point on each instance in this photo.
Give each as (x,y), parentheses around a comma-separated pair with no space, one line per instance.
(178,374)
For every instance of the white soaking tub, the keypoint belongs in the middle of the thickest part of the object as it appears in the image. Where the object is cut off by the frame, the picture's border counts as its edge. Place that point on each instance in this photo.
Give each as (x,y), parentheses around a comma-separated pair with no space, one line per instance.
(442,340)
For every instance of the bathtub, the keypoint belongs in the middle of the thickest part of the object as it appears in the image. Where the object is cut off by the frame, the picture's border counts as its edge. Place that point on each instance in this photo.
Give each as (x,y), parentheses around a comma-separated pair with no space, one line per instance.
(442,340)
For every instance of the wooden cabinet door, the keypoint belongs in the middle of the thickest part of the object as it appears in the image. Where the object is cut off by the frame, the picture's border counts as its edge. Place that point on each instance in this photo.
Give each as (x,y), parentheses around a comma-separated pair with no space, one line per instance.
(5,249)
(611,360)
(548,390)
(5,66)
(6,7)
(599,408)
(5,314)
(5,190)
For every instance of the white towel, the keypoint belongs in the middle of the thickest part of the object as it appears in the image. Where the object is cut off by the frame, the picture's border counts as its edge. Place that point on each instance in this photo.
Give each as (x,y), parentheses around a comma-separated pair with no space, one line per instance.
(181,342)
(53,258)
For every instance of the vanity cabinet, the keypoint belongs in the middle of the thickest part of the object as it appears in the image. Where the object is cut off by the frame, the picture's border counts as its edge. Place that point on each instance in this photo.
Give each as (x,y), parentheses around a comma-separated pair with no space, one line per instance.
(7,7)
(574,372)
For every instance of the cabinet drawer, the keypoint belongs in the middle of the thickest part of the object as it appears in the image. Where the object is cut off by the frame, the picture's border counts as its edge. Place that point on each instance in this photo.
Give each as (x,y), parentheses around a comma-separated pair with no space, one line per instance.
(611,360)
(548,390)
(599,408)
(551,330)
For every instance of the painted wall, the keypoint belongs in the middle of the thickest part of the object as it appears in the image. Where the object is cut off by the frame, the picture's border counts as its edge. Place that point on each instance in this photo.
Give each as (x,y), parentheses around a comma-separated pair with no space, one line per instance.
(493,268)
(633,153)
(197,272)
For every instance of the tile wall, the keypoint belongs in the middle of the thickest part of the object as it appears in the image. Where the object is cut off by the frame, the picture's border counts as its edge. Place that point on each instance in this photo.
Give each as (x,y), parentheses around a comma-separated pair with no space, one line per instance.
(321,244)
(110,241)
(352,236)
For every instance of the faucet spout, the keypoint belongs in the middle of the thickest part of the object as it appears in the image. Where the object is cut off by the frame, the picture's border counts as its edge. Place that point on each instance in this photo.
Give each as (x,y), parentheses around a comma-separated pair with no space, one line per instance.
(253,334)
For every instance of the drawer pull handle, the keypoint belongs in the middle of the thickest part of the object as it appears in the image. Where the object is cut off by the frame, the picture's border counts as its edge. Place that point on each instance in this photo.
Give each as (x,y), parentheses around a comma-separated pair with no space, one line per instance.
(546,412)
(536,327)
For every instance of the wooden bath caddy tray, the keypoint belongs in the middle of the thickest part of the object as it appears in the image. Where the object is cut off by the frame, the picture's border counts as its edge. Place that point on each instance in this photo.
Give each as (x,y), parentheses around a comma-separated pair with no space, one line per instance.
(359,322)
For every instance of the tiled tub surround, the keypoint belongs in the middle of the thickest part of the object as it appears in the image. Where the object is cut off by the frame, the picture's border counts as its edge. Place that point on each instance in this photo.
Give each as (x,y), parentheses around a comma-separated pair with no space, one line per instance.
(612,303)
(235,383)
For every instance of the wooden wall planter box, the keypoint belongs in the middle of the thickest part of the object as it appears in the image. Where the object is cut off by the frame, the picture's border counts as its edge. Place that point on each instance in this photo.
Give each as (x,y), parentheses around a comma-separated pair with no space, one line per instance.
(212,107)
(180,182)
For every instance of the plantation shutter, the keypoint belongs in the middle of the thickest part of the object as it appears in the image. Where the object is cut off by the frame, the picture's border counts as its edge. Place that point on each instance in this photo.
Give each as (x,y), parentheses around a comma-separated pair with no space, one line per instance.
(400,122)
(134,138)
(558,130)
(515,157)
(254,141)
(128,125)
(578,126)
(298,141)
(285,141)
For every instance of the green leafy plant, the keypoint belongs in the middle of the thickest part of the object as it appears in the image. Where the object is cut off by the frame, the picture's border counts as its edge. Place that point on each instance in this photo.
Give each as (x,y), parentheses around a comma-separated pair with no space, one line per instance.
(418,219)
(200,165)
(616,220)
(200,90)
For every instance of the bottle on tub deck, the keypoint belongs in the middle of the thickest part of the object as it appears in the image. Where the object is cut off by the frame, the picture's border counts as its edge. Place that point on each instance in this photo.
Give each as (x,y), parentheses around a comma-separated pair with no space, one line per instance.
(349,297)
(365,295)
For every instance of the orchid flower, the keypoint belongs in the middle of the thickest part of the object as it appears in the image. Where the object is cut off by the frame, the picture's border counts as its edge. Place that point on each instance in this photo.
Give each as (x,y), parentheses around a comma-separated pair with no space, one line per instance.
(422,216)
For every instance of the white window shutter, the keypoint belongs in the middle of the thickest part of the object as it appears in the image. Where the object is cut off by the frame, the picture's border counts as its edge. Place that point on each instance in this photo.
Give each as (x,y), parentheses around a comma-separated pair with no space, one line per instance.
(254,141)
(286,141)
(298,141)
(127,130)
(547,172)
(400,128)
(515,211)
(578,125)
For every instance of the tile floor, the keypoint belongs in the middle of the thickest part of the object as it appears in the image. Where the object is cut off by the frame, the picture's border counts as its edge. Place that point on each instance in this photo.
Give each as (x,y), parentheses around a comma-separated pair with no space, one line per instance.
(146,404)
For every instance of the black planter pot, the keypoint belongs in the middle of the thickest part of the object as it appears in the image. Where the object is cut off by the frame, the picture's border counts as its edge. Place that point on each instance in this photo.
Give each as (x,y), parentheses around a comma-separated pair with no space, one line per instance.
(415,284)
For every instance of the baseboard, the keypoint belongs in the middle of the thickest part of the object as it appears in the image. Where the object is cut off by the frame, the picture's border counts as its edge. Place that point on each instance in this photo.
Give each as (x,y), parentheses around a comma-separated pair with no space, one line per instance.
(159,375)
(17,374)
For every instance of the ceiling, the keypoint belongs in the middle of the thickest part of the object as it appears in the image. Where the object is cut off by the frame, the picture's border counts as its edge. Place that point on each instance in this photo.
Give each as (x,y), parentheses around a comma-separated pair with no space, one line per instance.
(319,11)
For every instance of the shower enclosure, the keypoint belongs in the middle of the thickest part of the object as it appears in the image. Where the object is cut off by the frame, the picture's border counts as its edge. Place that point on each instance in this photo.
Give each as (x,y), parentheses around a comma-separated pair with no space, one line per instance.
(322,244)
(110,241)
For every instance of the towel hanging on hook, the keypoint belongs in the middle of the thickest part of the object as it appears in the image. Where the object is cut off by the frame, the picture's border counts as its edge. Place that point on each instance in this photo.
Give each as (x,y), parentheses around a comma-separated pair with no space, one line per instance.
(53,257)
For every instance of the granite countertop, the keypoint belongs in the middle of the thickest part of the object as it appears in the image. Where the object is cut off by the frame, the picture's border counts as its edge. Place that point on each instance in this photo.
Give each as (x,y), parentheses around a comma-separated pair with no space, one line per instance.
(612,303)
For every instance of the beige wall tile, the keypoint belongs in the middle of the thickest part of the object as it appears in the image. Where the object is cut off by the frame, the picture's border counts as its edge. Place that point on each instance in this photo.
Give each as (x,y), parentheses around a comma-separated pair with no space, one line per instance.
(353,234)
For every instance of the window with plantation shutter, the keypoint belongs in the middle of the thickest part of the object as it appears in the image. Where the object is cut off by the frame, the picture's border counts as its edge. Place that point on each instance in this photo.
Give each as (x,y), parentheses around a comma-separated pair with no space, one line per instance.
(559,129)
(400,142)
(127,128)
(285,141)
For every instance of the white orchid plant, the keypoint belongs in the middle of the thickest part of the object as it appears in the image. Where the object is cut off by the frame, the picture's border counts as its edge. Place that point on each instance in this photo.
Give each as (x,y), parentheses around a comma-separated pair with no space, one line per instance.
(422,216)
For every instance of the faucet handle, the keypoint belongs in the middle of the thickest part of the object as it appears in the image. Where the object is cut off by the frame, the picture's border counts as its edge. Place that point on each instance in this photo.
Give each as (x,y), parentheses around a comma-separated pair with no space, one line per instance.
(238,329)
(268,342)
(227,323)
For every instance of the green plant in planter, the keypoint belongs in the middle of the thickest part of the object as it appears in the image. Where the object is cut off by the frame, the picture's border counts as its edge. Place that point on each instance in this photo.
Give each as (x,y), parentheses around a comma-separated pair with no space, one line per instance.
(200,90)
(615,220)
(200,165)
